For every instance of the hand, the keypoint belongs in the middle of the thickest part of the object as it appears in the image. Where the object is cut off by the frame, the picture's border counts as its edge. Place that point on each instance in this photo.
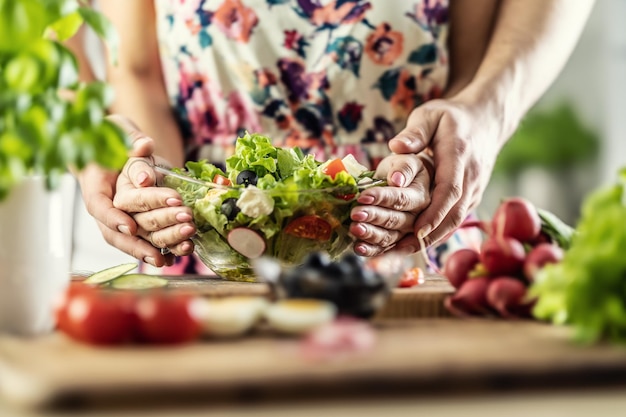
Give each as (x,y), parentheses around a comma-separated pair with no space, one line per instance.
(463,139)
(162,220)
(389,212)
(98,187)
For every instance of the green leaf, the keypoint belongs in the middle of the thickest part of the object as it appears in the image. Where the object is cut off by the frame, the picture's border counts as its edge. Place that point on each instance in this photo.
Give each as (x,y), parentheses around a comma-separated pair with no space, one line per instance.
(67,26)
(21,22)
(103,27)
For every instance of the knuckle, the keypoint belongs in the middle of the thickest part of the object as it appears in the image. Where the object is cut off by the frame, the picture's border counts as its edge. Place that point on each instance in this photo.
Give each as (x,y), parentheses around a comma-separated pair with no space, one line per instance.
(387,239)
(392,221)
(402,202)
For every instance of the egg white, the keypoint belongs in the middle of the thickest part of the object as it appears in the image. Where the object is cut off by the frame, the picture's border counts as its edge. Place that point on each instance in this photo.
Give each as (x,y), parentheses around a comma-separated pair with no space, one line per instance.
(297,316)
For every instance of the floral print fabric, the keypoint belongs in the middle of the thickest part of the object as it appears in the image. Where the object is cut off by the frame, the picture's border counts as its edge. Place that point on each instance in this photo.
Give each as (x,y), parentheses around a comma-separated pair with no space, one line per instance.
(330,76)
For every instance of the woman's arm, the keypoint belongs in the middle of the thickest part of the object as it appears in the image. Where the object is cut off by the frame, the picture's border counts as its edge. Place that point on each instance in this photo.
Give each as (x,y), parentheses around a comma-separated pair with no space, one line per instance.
(140,94)
(138,77)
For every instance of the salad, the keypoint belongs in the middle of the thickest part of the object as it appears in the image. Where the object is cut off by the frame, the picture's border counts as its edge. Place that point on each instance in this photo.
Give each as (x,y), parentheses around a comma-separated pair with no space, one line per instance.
(270,201)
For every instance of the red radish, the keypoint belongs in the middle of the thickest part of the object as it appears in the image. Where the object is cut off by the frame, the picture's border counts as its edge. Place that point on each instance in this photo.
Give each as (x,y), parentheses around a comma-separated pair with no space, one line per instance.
(506,295)
(539,256)
(458,266)
(247,242)
(471,298)
(517,218)
(502,256)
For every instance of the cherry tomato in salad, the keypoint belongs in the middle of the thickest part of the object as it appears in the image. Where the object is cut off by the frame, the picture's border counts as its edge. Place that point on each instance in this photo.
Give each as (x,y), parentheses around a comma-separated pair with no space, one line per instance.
(99,317)
(309,227)
(221,180)
(167,319)
(411,278)
(333,168)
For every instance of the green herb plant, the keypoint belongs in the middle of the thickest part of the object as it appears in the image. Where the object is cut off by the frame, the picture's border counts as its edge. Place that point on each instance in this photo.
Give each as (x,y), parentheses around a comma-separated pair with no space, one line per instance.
(49,121)
(587,290)
(553,139)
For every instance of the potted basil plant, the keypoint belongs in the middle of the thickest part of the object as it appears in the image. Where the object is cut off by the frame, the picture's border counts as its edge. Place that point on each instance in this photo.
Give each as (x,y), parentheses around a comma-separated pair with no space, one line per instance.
(49,123)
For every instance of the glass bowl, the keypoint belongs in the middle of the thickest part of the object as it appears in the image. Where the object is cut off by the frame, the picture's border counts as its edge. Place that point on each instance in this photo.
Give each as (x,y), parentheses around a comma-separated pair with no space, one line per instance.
(236,225)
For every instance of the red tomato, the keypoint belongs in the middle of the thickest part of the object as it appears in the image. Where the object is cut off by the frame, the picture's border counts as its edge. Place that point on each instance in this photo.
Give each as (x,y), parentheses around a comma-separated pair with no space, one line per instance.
(60,305)
(310,227)
(99,317)
(221,180)
(167,319)
(411,278)
(333,168)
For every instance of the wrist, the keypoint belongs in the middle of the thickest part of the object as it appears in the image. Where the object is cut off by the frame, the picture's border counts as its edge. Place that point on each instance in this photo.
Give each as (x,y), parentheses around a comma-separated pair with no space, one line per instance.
(494,103)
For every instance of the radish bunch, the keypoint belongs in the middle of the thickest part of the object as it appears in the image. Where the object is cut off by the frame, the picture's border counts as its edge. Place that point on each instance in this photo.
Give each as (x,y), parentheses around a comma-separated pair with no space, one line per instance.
(494,280)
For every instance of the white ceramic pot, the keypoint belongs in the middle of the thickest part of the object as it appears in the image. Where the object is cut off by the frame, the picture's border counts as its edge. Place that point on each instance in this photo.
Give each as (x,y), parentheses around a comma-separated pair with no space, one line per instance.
(35,233)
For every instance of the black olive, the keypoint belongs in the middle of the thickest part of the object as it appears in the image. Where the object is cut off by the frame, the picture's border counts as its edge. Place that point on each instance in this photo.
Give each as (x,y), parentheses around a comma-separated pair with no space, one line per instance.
(317,260)
(229,208)
(247,177)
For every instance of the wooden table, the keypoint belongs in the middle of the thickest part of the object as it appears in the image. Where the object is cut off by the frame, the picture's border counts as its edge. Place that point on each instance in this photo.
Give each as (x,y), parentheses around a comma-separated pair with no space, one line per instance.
(412,357)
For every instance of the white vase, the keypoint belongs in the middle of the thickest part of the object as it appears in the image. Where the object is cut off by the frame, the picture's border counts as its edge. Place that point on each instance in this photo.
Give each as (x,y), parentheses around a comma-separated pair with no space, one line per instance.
(34,255)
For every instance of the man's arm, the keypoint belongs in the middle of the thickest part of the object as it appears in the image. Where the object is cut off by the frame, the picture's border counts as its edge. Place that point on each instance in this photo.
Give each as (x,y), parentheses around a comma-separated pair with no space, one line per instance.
(531,42)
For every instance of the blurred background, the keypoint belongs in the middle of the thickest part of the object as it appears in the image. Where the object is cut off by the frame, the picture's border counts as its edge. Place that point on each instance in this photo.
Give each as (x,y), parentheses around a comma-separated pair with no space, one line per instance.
(574,139)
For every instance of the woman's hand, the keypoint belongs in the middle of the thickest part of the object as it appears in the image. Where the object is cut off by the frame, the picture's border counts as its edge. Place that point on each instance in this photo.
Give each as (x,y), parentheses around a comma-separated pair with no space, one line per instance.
(127,223)
(464,140)
(162,221)
(388,213)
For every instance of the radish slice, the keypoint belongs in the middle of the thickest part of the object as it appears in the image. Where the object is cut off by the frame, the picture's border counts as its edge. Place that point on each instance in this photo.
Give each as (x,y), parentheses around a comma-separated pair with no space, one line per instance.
(247,242)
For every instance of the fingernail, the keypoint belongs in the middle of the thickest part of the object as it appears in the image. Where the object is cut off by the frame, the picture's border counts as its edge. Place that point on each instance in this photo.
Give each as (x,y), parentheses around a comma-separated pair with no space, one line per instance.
(365,199)
(150,260)
(360,249)
(140,141)
(183,217)
(359,216)
(173,202)
(122,228)
(187,230)
(359,230)
(398,179)
(424,231)
(142,177)
(186,247)
(405,140)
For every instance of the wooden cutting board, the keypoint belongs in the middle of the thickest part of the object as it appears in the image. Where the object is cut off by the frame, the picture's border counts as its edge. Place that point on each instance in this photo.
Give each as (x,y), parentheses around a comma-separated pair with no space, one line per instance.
(410,357)
(425,300)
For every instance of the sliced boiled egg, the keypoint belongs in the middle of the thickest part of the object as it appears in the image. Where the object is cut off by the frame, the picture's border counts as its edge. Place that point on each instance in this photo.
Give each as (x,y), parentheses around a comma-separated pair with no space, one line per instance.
(297,316)
(231,316)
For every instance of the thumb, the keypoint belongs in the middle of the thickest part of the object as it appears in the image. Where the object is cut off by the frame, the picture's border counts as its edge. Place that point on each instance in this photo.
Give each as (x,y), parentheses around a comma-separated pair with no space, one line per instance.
(417,134)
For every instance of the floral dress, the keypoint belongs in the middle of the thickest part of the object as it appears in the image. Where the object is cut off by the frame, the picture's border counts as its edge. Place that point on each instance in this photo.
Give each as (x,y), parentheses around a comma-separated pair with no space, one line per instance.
(333,77)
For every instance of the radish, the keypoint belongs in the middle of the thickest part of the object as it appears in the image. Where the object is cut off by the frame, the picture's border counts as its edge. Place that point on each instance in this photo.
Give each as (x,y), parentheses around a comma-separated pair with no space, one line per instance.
(471,298)
(458,266)
(247,242)
(502,256)
(517,218)
(507,296)
(539,256)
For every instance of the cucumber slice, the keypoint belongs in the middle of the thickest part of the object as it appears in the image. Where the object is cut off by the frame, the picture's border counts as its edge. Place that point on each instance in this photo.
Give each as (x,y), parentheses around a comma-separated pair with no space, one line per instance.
(109,274)
(138,282)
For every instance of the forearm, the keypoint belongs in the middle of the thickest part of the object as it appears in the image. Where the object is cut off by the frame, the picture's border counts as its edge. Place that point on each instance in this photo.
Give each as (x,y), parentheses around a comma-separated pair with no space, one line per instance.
(471,26)
(531,42)
(144,101)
